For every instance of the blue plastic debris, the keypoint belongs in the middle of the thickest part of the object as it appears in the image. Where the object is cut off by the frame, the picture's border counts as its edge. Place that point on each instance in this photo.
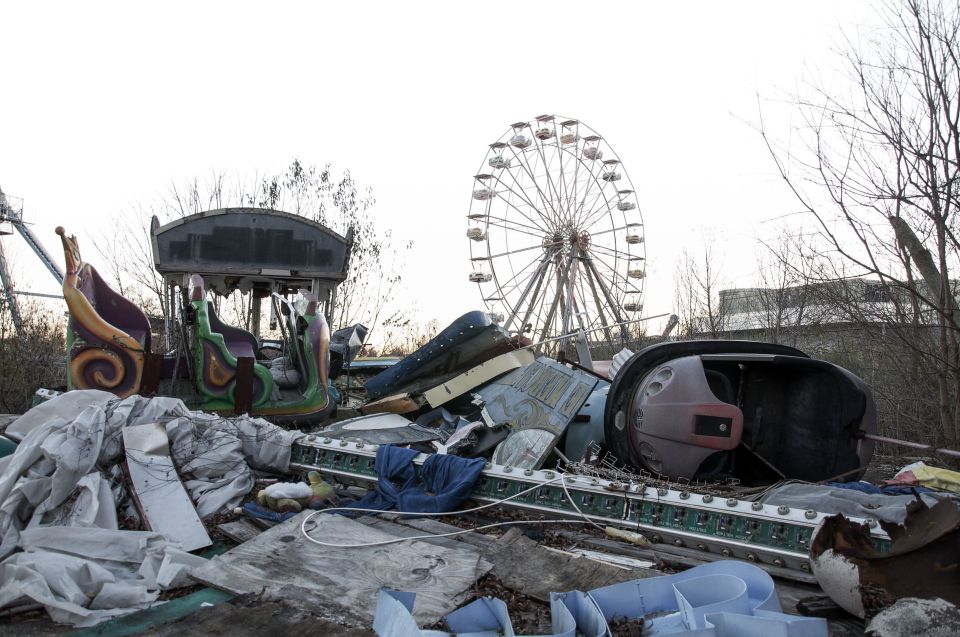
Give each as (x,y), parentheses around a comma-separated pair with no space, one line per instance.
(721,599)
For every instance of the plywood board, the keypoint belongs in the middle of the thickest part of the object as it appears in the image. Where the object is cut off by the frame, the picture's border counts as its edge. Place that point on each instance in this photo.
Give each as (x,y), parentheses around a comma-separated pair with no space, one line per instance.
(476,376)
(156,488)
(342,583)
(396,404)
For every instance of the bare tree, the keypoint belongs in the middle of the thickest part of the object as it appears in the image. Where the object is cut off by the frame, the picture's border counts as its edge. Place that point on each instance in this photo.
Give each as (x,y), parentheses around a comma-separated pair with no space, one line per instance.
(323,195)
(787,296)
(878,168)
(697,286)
(127,260)
(32,359)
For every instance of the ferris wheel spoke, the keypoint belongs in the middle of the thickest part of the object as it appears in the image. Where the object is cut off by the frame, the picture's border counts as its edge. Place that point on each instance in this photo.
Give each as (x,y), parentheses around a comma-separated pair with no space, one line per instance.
(555,195)
(572,199)
(602,253)
(617,229)
(521,195)
(526,169)
(522,213)
(509,224)
(512,252)
(600,208)
(561,182)
(518,279)
(517,272)
(584,186)
(586,193)
(607,271)
(601,203)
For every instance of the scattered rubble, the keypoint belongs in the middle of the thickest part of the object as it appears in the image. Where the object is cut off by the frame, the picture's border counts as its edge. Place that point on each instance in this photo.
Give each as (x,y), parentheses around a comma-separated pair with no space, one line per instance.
(108,504)
(910,616)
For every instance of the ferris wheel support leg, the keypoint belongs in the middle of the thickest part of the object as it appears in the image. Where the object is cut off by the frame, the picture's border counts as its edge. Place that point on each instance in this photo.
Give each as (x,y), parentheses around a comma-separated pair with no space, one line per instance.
(9,295)
(561,285)
(596,299)
(613,306)
(536,278)
(534,297)
(566,305)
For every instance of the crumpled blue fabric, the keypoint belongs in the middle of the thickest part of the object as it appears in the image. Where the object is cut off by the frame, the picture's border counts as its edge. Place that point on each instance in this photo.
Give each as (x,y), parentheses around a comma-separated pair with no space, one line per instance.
(440,485)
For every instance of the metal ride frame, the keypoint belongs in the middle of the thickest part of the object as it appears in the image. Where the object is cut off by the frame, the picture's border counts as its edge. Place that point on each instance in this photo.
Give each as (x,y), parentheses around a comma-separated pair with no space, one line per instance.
(11,211)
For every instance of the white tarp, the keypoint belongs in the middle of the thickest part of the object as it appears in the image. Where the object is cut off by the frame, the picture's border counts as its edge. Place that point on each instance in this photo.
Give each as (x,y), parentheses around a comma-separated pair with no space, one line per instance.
(58,507)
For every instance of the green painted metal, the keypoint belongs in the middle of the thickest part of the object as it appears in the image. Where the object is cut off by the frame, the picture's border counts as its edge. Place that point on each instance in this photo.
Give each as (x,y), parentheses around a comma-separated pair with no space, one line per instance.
(165,613)
(7,446)
(721,526)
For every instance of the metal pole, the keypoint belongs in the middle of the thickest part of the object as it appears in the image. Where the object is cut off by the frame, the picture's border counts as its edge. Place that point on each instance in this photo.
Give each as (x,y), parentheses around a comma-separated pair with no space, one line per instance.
(11,298)
(912,445)
(46,296)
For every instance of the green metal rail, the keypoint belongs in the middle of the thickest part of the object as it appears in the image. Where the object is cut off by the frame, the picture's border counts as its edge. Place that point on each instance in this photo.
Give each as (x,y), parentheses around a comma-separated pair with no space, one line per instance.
(721,527)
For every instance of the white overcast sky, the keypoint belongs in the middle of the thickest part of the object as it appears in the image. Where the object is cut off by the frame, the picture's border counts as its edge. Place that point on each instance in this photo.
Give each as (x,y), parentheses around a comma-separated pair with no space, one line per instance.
(104,105)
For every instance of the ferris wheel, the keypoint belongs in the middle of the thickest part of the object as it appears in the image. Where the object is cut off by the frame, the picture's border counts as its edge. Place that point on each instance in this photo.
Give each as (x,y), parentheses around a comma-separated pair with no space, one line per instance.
(556,239)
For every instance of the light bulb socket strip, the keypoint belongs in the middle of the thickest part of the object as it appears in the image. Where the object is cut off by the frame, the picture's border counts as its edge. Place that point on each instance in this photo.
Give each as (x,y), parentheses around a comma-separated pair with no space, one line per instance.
(719,528)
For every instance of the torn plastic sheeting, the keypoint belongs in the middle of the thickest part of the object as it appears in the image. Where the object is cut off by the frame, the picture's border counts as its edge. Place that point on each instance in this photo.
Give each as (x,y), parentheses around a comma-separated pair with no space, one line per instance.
(58,408)
(216,453)
(55,483)
(718,599)
(61,445)
(848,502)
(85,575)
(92,505)
(55,454)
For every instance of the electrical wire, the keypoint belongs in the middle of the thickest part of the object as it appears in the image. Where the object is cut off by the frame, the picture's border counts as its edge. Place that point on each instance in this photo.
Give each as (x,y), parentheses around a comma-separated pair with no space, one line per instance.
(561,478)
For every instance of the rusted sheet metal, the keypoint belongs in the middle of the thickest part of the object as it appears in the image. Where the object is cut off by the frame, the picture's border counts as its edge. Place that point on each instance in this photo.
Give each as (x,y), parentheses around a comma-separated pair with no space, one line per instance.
(923,559)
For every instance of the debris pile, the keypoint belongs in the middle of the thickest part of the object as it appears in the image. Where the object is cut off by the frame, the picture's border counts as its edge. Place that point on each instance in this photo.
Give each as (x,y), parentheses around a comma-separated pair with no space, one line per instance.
(681,455)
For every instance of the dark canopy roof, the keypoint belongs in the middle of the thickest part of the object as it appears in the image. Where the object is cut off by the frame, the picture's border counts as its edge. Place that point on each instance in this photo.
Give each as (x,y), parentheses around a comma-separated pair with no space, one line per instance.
(250,246)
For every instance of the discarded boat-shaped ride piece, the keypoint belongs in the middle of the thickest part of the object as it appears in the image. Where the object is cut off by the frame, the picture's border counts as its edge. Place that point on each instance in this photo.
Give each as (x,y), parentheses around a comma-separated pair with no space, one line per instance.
(754,411)
(470,340)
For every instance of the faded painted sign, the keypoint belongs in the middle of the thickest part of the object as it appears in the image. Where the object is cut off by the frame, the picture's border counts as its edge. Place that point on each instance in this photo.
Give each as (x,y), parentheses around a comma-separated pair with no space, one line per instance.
(543,396)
